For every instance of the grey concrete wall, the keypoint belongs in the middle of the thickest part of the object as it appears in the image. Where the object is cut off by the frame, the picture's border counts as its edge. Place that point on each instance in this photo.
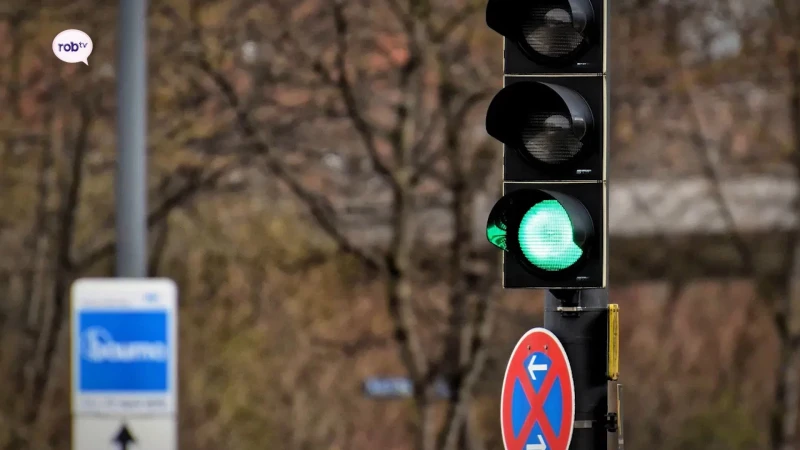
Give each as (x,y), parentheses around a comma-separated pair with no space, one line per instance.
(637,208)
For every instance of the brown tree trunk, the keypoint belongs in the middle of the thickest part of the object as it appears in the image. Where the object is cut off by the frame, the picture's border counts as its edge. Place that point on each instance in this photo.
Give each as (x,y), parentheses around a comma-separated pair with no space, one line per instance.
(787,313)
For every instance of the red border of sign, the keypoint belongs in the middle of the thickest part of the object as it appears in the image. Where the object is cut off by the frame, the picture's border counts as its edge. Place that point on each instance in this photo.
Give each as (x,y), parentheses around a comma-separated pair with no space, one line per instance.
(562,354)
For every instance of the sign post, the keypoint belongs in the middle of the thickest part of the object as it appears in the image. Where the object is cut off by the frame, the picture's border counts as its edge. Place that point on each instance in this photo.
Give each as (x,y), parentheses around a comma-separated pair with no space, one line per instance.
(124,364)
(580,321)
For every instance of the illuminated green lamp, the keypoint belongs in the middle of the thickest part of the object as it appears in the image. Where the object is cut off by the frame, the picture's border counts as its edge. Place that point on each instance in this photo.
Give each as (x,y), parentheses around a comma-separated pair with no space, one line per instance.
(547,231)
(546,237)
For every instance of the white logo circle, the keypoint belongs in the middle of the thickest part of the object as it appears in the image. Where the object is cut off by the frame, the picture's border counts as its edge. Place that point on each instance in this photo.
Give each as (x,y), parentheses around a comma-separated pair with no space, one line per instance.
(73,46)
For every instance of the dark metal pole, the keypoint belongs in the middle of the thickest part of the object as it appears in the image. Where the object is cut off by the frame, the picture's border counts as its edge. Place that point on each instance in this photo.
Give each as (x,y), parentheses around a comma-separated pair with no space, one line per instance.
(579,319)
(131,177)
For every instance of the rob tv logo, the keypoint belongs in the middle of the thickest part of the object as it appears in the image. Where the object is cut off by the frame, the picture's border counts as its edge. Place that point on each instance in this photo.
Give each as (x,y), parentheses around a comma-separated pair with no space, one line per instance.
(73,46)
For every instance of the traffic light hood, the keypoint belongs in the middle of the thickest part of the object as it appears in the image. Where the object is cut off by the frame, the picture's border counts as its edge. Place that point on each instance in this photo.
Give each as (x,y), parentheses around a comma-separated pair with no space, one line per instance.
(539,120)
(553,20)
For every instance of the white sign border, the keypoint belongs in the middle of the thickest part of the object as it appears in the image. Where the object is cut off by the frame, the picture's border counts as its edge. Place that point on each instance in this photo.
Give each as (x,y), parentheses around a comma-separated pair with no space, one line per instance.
(98,432)
(123,294)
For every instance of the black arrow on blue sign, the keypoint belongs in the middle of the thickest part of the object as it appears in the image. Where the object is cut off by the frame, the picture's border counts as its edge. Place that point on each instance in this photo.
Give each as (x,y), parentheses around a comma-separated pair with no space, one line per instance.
(124,438)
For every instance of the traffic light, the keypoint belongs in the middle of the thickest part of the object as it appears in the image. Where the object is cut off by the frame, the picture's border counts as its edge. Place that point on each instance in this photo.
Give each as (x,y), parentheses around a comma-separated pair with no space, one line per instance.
(552,118)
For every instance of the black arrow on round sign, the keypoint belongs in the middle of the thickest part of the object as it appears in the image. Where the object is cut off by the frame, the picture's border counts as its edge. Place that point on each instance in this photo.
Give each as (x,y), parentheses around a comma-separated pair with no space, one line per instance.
(124,438)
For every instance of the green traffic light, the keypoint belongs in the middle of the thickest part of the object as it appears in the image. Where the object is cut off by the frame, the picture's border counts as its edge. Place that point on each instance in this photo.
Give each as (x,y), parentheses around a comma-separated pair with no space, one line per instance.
(546,237)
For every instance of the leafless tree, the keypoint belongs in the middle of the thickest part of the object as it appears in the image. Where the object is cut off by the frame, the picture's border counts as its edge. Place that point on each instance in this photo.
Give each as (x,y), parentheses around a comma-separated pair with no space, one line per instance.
(395,80)
(774,64)
(56,136)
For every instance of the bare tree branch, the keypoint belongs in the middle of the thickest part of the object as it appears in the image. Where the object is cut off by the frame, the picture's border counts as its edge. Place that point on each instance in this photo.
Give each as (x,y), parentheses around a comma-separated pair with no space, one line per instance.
(403,16)
(48,338)
(159,247)
(317,208)
(702,143)
(464,350)
(351,348)
(471,370)
(345,86)
(783,299)
(174,200)
(456,20)
(413,139)
(784,420)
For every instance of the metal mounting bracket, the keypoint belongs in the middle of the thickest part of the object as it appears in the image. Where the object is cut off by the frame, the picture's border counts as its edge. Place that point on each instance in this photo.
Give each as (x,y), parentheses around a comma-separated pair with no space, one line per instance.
(611,422)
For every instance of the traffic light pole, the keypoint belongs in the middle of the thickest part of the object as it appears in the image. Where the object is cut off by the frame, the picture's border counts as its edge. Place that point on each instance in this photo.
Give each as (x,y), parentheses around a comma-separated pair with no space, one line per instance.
(552,117)
(579,319)
(131,177)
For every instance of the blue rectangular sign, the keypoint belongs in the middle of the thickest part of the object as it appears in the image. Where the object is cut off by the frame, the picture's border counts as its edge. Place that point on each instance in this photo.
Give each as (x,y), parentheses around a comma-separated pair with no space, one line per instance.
(123,351)
(398,387)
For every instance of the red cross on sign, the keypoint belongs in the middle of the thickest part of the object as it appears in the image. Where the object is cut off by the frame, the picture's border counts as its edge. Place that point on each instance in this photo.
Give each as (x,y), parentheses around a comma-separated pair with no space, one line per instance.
(537,410)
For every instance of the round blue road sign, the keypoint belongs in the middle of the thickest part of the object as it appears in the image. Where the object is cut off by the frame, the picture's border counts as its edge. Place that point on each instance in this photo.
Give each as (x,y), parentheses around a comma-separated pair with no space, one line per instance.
(537,408)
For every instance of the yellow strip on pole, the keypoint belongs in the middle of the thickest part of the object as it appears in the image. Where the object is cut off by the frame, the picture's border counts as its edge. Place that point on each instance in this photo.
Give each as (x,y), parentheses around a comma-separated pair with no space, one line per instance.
(613,342)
